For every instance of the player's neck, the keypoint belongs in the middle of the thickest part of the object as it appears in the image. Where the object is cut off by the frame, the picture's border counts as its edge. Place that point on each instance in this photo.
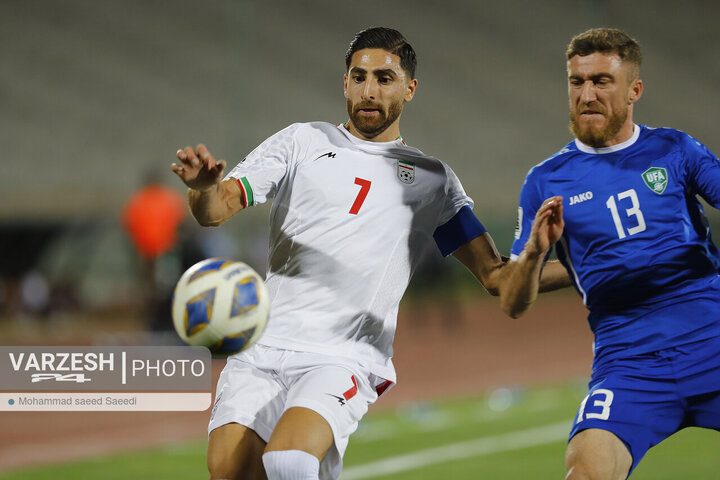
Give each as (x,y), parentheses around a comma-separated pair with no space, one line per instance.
(626,132)
(388,135)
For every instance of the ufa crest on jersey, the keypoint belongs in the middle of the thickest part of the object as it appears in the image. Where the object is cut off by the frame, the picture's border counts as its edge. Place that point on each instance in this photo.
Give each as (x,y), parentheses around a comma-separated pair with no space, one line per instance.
(656,179)
(406,171)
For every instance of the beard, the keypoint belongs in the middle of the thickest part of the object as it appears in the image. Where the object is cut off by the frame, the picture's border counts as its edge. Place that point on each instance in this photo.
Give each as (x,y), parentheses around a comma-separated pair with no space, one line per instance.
(372,127)
(598,137)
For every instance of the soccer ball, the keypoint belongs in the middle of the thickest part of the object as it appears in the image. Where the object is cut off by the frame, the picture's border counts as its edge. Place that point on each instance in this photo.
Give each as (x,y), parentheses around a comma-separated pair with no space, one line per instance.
(221,304)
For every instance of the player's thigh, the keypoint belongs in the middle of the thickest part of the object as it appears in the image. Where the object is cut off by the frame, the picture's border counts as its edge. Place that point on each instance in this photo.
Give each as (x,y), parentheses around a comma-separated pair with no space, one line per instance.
(597,454)
(323,408)
(235,452)
(636,400)
(303,429)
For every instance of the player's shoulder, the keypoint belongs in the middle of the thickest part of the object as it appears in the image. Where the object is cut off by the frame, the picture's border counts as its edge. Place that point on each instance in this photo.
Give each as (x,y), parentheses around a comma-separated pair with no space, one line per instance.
(308,128)
(554,161)
(308,134)
(662,132)
(673,135)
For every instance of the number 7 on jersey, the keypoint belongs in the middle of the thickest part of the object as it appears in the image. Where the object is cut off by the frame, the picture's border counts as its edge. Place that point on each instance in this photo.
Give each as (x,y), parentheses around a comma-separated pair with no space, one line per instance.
(362,194)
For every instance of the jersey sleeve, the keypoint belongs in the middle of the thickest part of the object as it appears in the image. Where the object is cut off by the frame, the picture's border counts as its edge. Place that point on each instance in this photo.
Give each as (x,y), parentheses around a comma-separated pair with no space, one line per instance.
(530,201)
(455,197)
(458,231)
(262,171)
(457,223)
(703,168)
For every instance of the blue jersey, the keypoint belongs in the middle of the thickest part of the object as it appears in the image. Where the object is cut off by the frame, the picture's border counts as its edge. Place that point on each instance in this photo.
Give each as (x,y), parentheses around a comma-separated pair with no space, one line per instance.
(636,243)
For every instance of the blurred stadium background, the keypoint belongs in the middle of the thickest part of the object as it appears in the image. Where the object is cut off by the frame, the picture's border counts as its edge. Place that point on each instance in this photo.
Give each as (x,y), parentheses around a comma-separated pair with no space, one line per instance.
(98,95)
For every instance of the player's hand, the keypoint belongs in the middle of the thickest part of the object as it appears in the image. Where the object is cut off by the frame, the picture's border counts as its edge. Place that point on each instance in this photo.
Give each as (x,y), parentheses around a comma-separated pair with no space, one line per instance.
(197,168)
(547,227)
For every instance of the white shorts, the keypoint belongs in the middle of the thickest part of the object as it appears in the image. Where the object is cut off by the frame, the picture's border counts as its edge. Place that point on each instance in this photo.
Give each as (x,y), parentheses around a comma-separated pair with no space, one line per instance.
(257,386)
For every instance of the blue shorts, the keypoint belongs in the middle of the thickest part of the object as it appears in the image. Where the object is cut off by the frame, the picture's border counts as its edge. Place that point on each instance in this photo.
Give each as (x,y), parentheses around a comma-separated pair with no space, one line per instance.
(646,398)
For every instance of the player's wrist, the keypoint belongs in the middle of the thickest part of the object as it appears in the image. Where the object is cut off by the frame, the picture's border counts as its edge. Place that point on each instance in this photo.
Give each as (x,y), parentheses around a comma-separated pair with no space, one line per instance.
(205,188)
(532,253)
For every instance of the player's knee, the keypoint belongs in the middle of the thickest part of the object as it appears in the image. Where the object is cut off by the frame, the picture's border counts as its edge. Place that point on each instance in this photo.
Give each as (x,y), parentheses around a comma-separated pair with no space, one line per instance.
(229,465)
(291,465)
(576,472)
(581,467)
(597,455)
(222,467)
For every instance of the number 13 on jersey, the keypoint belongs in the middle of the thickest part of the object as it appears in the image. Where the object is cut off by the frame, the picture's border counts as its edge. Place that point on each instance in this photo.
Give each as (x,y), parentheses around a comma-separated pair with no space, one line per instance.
(633,211)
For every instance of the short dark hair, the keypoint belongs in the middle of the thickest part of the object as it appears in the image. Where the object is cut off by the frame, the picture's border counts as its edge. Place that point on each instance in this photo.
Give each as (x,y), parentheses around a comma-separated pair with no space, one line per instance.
(607,40)
(387,39)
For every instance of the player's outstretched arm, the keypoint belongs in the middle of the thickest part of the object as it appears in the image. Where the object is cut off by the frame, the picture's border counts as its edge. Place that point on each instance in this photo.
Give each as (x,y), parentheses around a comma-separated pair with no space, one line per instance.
(211,200)
(520,279)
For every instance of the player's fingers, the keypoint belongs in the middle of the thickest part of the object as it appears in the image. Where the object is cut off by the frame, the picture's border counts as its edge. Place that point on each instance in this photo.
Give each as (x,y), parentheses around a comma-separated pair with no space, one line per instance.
(552,206)
(190,159)
(557,212)
(543,214)
(220,166)
(552,202)
(206,158)
(179,170)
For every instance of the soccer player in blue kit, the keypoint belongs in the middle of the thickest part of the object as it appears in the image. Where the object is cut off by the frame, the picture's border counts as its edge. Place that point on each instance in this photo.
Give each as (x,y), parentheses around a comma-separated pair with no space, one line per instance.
(621,203)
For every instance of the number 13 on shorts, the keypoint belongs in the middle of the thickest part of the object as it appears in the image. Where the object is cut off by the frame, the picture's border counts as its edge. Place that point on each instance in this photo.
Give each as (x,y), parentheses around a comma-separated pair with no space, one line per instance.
(600,398)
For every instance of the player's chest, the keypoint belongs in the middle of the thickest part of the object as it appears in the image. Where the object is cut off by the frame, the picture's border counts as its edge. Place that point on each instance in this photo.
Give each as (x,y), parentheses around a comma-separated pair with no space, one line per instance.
(621,200)
(347,182)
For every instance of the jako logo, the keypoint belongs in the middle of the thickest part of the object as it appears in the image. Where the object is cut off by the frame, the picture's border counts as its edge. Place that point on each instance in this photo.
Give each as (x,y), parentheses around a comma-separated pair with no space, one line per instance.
(581,198)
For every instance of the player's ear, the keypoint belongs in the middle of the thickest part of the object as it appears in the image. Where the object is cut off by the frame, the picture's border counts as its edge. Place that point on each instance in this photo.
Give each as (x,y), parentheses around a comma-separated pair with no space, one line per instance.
(636,89)
(410,89)
(345,85)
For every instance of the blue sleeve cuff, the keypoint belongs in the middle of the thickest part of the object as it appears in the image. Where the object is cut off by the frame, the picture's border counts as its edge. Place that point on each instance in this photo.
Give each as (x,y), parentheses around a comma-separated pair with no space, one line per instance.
(458,231)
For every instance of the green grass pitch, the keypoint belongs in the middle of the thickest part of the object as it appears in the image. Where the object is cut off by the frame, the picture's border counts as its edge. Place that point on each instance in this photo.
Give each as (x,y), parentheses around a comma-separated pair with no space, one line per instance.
(511,433)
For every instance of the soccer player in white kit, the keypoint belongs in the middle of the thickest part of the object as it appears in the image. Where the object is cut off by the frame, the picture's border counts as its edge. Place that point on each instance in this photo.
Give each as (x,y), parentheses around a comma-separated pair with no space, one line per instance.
(355,209)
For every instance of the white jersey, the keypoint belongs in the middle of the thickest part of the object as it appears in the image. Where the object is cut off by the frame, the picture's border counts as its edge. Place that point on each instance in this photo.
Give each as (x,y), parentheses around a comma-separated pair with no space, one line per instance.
(350,221)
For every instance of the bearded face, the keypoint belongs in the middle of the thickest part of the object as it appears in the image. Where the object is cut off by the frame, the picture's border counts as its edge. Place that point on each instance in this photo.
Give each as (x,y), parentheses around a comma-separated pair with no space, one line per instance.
(371,119)
(601,89)
(595,126)
(376,90)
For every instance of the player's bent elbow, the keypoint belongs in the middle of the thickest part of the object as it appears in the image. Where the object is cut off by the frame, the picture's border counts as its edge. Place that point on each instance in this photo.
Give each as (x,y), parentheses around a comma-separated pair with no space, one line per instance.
(492,290)
(513,309)
(490,281)
(206,221)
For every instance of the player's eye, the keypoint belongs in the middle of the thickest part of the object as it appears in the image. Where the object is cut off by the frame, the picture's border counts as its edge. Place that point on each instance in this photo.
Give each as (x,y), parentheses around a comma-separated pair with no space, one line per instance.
(358,78)
(384,80)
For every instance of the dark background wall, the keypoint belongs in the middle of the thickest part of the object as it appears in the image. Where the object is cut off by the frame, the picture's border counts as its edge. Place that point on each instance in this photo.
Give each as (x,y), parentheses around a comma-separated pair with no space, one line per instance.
(96,95)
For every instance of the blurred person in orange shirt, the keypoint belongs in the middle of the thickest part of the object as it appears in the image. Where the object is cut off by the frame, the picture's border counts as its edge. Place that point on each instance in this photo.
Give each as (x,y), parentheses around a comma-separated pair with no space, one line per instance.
(152,218)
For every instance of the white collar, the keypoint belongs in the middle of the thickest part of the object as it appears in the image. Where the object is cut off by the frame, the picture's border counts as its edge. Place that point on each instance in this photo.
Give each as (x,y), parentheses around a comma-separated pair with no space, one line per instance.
(614,148)
(369,144)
